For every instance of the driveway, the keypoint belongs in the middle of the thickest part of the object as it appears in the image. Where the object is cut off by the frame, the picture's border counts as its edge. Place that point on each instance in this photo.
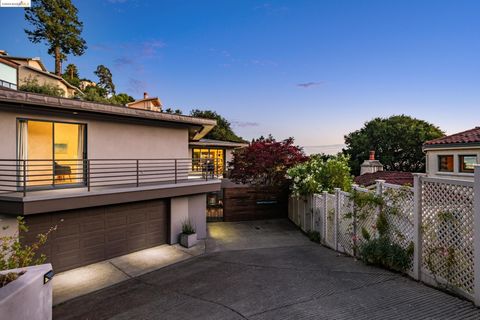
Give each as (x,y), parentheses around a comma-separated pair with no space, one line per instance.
(280,276)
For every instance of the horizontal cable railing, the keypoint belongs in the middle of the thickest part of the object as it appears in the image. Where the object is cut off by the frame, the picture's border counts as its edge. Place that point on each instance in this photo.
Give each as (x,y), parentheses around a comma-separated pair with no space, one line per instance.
(23,176)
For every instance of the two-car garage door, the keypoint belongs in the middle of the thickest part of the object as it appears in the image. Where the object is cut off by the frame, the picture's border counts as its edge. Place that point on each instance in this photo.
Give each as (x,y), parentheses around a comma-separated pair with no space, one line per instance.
(90,235)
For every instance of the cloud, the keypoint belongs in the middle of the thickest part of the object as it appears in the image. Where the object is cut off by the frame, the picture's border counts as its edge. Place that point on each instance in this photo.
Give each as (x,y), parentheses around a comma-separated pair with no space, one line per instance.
(307,85)
(122,62)
(137,86)
(243,124)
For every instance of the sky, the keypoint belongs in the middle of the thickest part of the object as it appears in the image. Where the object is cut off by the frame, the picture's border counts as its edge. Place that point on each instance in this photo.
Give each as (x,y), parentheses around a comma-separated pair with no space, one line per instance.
(313,70)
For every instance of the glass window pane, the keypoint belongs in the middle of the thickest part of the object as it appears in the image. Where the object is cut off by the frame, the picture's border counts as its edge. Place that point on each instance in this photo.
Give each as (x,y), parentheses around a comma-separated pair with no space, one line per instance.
(445,163)
(467,163)
(39,147)
(69,148)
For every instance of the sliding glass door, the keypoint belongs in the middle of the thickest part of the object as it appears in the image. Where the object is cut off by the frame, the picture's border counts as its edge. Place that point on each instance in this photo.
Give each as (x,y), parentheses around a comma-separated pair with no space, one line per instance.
(54,152)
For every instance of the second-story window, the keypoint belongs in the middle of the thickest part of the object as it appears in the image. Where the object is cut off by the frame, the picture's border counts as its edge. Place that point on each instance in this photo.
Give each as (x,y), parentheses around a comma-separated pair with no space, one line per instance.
(445,163)
(467,163)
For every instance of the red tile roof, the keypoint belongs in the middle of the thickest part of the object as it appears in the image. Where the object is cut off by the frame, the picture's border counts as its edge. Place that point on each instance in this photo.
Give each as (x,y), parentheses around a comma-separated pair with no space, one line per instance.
(393,177)
(469,136)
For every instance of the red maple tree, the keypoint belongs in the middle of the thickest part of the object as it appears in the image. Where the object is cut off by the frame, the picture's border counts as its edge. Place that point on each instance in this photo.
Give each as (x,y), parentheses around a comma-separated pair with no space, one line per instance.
(265,162)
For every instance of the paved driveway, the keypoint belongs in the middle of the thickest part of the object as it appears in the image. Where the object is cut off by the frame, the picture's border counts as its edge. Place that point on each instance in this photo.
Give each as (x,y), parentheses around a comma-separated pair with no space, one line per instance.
(286,277)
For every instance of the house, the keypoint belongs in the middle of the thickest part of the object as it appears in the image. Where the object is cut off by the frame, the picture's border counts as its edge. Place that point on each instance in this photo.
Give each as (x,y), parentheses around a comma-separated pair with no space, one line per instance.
(8,74)
(371,170)
(114,179)
(147,103)
(453,156)
(221,152)
(32,69)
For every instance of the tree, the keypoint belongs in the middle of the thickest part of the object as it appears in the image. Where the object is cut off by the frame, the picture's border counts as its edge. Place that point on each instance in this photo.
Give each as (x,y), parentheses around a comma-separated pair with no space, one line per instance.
(121,99)
(171,111)
(105,80)
(397,142)
(56,23)
(265,162)
(71,75)
(222,131)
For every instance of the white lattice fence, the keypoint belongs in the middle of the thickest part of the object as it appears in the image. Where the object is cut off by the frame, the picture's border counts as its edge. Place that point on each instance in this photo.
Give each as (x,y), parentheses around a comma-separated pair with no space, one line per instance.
(345,223)
(330,221)
(448,234)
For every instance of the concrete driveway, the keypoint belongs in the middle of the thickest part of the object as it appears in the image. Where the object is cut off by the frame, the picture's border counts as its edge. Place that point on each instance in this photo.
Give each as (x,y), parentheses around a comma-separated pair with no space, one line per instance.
(280,276)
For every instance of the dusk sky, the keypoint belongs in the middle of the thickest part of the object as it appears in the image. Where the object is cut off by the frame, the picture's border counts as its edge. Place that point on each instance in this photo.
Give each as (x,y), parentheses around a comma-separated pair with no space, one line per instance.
(314,70)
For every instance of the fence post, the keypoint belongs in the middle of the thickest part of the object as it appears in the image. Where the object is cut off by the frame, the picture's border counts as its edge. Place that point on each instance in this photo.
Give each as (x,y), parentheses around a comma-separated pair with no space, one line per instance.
(379,187)
(417,225)
(337,213)
(312,210)
(325,215)
(476,235)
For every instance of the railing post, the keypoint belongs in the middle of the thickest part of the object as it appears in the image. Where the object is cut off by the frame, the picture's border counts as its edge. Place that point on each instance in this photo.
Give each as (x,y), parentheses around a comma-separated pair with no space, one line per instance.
(175,170)
(417,225)
(88,175)
(138,178)
(24,178)
(337,213)
(476,235)
(325,215)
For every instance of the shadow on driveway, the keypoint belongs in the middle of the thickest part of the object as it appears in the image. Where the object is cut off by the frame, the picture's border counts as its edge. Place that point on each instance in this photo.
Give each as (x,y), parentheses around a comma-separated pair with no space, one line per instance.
(284,276)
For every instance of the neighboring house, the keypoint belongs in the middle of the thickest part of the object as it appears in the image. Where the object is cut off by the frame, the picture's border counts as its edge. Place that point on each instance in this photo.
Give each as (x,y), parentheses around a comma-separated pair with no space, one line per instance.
(114,179)
(147,103)
(33,69)
(86,83)
(453,156)
(221,152)
(372,170)
(8,74)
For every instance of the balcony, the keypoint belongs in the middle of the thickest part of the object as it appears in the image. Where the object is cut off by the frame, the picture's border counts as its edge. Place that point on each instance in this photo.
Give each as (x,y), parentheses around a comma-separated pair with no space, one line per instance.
(76,183)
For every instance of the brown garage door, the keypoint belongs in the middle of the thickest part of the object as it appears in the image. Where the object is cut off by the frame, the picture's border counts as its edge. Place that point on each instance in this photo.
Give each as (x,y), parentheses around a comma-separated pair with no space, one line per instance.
(94,234)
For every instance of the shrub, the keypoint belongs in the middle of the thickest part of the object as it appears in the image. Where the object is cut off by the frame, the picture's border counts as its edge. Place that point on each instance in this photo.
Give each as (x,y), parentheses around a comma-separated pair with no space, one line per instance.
(187,227)
(14,254)
(384,253)
(319,174)
(314,236)
(31,85)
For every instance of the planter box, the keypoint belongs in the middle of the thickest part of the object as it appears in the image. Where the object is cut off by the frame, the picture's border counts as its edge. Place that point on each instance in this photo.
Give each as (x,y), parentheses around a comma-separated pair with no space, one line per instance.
(27,297)
(188,240)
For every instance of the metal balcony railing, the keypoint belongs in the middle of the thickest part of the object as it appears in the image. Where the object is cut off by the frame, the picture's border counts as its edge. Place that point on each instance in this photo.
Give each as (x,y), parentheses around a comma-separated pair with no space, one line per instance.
(25,176)
(8,85)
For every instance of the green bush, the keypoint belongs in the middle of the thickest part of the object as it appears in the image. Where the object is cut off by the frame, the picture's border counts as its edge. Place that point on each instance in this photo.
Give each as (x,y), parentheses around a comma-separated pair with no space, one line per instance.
(384,253)
(318,174)
(31,85)
(314,236)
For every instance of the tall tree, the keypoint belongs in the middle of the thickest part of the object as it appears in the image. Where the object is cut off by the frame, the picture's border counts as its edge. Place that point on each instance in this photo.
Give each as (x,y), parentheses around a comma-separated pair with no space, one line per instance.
(222,131)
(56,23)
(397,142)
(71,74)
(105,80)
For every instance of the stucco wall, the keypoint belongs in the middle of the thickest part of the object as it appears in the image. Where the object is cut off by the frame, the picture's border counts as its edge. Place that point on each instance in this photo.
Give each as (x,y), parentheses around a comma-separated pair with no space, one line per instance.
(432,162)
(108,140)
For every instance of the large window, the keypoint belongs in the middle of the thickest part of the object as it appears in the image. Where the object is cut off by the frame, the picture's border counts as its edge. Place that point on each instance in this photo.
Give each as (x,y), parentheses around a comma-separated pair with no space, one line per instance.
(54,151)
(445,163)
(467,163)
(216,155)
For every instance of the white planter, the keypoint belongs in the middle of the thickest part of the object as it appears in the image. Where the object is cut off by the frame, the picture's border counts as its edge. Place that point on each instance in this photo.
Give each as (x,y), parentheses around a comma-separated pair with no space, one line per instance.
(188,240)
(28,297)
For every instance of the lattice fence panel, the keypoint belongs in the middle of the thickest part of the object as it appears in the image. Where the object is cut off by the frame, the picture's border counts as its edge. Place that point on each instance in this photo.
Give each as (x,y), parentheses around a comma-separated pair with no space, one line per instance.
(447,224)
(330,221)
(345,223)
(318,214)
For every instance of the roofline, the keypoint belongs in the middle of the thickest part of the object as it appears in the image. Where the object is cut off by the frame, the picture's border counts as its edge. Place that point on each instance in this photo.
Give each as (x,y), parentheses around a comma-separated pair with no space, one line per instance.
(147,99)
(27,59)
(218,143)
(12,64)
(8,96)
(462,145)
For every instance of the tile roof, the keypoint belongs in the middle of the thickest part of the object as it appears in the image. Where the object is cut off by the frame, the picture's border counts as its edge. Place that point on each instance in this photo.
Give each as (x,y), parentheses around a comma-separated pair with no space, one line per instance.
(465,137)
(393,177)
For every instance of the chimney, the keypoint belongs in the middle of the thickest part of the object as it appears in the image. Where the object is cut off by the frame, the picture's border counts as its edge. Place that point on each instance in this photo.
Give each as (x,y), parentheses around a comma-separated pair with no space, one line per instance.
(145,95)
(3,53)
(371,165)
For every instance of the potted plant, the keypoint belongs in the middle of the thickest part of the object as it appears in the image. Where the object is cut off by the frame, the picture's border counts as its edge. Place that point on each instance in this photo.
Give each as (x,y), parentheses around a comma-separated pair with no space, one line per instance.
(25,287)
(188,237)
